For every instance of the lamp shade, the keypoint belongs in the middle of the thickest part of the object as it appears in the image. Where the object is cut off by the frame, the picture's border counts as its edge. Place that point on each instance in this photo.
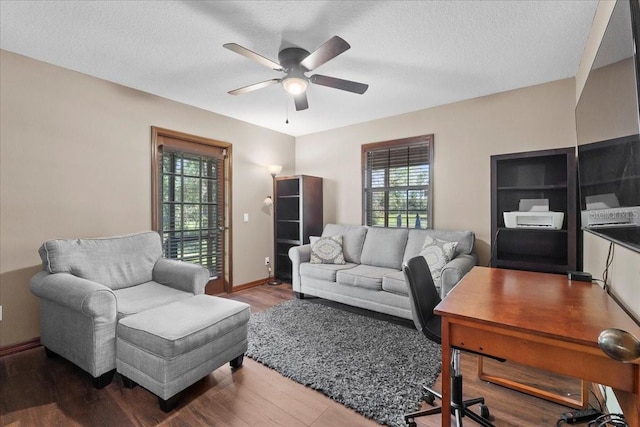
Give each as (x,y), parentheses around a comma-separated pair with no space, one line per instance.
(295,85)
(274,169)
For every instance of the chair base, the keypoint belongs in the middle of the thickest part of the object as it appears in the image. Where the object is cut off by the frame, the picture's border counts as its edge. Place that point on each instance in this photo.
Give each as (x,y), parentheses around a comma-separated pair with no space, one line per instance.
(458,409)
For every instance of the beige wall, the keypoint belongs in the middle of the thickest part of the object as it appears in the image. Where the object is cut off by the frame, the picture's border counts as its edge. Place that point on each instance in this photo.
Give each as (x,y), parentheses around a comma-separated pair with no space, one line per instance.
(75,156)
(625,270)
(466,134)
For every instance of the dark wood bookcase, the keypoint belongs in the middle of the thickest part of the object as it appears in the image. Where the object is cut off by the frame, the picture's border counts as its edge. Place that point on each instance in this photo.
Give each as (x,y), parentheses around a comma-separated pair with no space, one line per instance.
(545,174)
(298,215)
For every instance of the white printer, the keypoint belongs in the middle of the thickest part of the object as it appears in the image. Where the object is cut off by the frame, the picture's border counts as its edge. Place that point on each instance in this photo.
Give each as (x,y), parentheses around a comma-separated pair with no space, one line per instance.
(534,213)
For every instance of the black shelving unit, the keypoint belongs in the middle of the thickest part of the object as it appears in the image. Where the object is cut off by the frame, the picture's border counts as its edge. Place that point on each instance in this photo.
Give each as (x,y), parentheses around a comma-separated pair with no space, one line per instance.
(545,174)
(298,215)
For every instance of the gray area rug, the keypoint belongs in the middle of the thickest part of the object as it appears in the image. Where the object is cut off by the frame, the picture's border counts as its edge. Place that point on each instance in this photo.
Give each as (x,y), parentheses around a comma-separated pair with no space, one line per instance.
(373,366)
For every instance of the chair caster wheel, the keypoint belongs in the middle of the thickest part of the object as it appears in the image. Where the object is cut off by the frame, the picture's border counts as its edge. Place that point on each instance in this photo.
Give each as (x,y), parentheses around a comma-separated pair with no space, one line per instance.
(429,397)
(484,412)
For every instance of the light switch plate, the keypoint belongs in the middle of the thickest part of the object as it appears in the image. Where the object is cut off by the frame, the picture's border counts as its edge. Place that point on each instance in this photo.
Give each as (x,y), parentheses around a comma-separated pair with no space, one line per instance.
(246,217)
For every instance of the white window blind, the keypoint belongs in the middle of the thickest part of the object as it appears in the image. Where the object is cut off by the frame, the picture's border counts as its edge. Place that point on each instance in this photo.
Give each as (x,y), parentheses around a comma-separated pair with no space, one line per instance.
(191,208)
(397,183)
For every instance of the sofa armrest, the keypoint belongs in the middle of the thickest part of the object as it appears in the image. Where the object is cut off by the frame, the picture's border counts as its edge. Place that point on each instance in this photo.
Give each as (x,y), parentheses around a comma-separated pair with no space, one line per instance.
(455,270)
(90,298)
(180,275)
(298,255)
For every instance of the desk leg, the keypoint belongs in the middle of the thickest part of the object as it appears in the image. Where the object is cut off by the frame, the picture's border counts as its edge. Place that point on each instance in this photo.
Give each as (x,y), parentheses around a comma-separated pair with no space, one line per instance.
(446,374)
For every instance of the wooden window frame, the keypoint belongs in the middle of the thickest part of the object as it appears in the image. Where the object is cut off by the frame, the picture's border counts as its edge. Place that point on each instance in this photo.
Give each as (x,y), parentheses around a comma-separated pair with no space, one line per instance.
(393,144)
(192,143)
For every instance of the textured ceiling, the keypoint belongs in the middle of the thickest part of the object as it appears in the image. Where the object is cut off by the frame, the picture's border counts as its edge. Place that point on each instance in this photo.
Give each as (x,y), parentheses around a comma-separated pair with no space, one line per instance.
(413,54)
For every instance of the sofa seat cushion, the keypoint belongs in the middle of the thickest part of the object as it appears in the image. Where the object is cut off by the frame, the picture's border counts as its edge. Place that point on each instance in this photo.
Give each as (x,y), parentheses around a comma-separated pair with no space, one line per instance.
(323,271)
(395,283)
(136,299)
(363,276)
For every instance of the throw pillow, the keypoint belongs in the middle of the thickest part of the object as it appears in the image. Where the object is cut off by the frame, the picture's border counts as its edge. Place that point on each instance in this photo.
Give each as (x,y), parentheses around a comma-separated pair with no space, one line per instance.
(438,253)
(327,250)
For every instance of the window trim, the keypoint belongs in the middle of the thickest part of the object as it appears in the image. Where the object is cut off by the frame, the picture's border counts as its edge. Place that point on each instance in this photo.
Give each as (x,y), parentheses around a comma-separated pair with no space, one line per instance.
(192,143)
(398,143)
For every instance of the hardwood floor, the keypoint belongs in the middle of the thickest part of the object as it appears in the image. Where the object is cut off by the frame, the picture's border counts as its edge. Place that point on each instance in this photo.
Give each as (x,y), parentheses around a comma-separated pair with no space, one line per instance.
(36,391)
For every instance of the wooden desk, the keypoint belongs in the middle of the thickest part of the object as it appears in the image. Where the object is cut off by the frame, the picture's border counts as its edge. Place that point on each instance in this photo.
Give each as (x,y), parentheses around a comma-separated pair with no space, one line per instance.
(537,319)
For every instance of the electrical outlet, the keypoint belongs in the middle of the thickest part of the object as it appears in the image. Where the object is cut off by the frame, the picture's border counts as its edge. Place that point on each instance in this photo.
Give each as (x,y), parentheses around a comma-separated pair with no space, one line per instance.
(266,260)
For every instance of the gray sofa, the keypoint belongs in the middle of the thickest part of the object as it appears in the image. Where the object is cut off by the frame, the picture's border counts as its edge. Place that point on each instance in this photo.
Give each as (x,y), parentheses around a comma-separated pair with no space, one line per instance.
(372,276)
(88,285)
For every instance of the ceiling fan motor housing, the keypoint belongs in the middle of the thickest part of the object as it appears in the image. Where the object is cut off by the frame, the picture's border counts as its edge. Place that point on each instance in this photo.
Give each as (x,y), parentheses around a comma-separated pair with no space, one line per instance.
(291,57)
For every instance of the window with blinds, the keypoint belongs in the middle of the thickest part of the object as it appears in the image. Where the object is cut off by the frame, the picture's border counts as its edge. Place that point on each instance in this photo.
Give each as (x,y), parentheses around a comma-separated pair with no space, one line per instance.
(397,183)
(191,208)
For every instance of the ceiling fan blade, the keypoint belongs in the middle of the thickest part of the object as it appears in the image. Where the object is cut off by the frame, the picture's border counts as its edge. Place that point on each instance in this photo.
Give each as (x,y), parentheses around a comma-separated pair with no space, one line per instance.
(301,101)
(254,86)
(332,48)
(341,84)
(253,56)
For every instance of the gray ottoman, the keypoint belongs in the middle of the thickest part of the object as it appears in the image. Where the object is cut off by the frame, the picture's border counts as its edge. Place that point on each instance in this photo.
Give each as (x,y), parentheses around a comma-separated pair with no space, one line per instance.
(168,348)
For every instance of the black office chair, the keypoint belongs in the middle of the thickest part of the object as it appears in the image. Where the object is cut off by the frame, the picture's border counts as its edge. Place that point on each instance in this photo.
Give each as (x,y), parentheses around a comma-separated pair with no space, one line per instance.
(424,297)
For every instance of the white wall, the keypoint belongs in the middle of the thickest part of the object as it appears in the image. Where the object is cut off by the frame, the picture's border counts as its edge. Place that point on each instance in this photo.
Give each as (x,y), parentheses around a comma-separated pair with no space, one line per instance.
(466,134)
(76,162)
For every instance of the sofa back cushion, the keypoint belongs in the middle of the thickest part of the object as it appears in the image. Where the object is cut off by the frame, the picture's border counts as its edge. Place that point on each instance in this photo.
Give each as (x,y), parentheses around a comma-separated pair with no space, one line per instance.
(116,262)
(415,242)
(352,239)
(384,247)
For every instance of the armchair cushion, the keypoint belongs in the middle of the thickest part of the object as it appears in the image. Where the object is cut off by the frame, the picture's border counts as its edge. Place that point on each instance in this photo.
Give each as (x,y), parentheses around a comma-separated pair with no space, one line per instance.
(116,262)
(136,299)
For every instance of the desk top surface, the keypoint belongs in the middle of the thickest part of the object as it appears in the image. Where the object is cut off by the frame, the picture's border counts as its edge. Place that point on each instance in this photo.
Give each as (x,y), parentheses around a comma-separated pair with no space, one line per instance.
(537,303)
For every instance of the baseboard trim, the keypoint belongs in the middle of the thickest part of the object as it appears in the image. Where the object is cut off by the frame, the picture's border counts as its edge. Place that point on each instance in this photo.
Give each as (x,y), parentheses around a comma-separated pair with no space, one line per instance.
(17,348)
(249,285)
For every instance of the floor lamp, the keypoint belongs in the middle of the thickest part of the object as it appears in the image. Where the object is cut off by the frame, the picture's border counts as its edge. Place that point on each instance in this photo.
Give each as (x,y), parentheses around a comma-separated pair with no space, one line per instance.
(273,170)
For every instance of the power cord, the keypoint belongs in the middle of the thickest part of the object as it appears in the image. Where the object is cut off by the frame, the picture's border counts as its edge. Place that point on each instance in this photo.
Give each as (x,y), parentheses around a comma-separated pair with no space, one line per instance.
(605,273)
(493,247)
(614,420)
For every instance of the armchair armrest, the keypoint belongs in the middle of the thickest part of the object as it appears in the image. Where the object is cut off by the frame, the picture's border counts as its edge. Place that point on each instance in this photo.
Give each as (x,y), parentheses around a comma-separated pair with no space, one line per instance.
(455,270)
(180,275)
(298,255)
(90,298)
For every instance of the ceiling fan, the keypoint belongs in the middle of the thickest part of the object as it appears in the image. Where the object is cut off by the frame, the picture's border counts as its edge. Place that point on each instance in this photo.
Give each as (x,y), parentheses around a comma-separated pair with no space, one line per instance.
(295,62)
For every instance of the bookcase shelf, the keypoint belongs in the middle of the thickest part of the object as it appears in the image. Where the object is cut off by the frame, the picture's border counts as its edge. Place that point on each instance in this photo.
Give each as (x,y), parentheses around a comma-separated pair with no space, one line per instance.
(298,215)
(545,174)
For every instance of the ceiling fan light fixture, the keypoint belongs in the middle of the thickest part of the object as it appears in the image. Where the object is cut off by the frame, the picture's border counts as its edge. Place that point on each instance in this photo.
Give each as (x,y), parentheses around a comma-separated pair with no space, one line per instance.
(295,85)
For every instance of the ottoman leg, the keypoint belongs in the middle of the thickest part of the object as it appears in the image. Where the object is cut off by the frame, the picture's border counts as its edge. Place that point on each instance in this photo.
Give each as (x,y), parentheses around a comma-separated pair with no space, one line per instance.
(237,362)
(171,403)
(50,354)
(128,383)
(104,379)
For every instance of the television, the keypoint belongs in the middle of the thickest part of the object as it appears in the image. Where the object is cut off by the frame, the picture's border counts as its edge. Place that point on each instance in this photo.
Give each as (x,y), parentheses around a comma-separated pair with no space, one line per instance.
(608,133)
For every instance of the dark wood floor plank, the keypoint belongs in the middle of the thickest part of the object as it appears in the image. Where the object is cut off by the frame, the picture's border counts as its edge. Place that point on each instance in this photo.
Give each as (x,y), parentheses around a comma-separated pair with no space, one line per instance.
(295,399)
(37,391)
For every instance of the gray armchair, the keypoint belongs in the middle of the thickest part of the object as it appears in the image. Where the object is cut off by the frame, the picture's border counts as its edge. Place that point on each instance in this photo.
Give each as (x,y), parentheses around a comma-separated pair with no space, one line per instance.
(87,285)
